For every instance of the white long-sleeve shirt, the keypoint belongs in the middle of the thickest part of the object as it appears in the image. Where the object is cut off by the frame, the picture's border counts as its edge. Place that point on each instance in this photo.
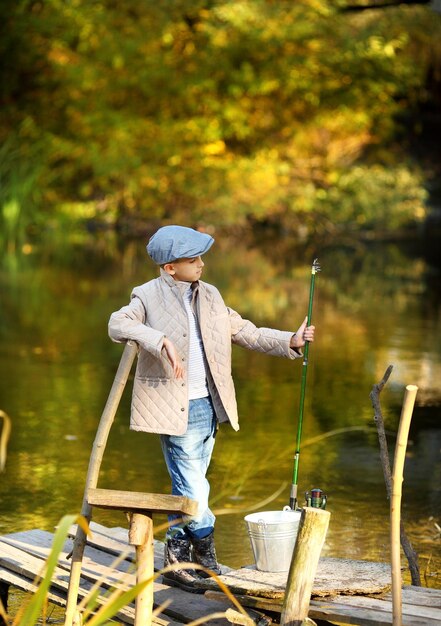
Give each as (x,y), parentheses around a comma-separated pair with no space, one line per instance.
(197,377)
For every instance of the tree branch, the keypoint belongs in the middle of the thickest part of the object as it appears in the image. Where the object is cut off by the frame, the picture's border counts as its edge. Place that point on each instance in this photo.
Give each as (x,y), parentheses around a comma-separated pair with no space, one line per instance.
(381,5)
(411,555)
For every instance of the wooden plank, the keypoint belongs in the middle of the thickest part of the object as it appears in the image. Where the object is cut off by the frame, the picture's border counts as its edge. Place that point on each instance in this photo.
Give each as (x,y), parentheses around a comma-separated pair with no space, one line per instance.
(29,565)
(234,617)
(186,606)
(334,576)
(138,501)
(370,611)
(29,558)
(98,538)
(264,604)
(420,596)
(96,564)
(27,585)
(24,564)
(116,532)
(24,568)
(343,614)
(58,591)
(346,610)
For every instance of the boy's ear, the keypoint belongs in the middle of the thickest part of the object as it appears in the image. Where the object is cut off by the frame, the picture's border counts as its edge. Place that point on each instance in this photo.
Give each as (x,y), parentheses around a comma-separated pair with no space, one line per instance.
(169,268)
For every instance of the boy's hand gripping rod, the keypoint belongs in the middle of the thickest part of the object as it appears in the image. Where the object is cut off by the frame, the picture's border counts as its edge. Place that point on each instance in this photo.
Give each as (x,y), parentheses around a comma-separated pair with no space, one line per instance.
(293,495)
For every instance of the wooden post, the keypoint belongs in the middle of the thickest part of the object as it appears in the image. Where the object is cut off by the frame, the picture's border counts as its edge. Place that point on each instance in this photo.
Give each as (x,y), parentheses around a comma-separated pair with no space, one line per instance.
(395,503)
(96,457)
(141,536)
(311,537)
(5,433)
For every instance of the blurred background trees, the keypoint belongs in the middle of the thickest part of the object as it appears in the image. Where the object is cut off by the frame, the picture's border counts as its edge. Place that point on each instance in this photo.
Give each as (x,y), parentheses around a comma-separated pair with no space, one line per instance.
(235,112)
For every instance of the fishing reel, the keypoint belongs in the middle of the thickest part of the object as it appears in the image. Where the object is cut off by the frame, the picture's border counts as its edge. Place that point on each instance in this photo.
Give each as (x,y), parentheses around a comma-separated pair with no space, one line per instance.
(316,498)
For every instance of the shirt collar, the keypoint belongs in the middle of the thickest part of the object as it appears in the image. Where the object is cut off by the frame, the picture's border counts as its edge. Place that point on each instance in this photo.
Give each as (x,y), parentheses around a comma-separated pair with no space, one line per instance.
(182,285)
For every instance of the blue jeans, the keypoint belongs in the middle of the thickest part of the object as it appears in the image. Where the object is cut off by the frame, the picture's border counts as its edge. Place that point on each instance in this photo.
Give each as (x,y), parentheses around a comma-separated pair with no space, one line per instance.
(188,457)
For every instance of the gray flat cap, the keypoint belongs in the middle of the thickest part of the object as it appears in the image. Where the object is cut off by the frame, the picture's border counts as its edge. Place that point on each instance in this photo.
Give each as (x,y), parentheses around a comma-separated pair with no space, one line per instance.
(170,243)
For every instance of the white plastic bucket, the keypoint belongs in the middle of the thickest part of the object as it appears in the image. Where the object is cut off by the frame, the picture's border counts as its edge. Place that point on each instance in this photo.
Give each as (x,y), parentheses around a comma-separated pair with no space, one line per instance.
(273,536)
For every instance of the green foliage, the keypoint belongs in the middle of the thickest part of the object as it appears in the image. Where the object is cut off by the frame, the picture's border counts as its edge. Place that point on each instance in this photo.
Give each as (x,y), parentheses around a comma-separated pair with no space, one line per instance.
(211,111)
(398,194)
(19,192)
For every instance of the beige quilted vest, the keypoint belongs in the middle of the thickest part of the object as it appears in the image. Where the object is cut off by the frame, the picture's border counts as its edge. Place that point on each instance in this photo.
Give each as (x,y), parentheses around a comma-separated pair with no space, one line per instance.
(159,401)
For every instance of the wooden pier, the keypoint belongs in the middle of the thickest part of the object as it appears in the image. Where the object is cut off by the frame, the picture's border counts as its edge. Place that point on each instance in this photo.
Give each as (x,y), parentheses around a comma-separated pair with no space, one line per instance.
(344,591)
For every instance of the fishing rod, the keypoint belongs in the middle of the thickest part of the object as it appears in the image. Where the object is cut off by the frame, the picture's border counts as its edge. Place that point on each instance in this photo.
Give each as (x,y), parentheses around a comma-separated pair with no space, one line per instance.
(293,495)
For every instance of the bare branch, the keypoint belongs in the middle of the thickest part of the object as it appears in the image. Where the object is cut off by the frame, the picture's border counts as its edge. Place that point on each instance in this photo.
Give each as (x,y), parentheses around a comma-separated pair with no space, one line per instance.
(411,555)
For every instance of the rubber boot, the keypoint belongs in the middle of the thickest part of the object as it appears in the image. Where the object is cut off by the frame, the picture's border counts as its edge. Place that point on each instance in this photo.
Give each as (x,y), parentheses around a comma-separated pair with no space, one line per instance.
(204,553)
(178,550)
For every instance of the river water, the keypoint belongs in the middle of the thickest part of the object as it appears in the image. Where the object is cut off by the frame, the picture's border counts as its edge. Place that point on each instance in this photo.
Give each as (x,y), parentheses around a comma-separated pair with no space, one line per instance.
(374,306)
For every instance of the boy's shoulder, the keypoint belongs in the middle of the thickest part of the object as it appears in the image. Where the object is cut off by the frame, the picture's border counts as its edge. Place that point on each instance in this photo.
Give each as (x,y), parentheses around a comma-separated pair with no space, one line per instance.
(208,288)
(145,288)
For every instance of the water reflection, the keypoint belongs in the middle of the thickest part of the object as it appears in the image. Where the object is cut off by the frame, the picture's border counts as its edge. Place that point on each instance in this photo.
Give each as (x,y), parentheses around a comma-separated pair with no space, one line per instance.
(373,307)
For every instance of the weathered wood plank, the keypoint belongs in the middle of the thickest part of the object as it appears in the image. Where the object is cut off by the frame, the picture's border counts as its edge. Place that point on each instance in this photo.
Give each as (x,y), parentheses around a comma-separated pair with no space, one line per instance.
(138,501)
(19,555)
(251,618)
(369,611)
(345,610)
(334,576)
(420,596)
(27,585)
(23,578)
(106,543)
(116,532)
(264,604)
(30,565)
(96,564)
(343,614)
(22,563)
(20,569)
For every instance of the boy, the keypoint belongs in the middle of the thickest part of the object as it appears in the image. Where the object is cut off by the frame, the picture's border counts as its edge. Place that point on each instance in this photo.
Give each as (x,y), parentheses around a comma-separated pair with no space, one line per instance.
(183,385)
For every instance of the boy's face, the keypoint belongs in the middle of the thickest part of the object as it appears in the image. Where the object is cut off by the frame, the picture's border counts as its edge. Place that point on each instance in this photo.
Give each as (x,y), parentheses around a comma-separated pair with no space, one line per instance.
(187,270)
